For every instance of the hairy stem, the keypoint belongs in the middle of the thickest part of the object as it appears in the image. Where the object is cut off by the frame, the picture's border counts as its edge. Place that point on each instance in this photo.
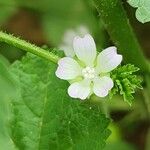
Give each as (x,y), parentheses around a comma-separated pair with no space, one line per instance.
(120,31)
(23,45)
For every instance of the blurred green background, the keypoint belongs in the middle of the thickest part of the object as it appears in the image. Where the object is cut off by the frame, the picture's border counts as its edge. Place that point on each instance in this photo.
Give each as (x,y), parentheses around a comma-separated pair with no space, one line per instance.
(45,22)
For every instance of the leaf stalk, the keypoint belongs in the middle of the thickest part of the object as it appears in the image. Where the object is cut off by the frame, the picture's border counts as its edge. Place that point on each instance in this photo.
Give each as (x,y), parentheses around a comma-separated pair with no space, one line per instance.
(28,47)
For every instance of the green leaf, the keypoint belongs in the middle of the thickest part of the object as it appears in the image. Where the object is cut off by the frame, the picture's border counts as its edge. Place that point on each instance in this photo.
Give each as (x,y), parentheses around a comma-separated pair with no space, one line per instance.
(143,9)
(10,52)
(126,82)
(46,118)
(6,84)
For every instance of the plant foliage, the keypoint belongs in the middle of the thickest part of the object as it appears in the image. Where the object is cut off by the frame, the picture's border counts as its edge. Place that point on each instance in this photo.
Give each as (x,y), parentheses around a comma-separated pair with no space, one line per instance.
(46,118)
(143,9)
(6,84)
(126,82)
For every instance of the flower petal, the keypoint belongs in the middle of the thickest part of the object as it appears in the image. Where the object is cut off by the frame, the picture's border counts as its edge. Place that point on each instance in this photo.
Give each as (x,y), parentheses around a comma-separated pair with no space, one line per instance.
(80,89)
(85,49)
(69,36)
(82,30)
(68,69)
(108,60)
(102,86)
(68,50)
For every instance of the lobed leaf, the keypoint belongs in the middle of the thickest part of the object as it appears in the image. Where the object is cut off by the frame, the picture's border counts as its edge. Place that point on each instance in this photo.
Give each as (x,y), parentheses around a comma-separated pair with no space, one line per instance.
(143,9)
(46,118)
(125,82)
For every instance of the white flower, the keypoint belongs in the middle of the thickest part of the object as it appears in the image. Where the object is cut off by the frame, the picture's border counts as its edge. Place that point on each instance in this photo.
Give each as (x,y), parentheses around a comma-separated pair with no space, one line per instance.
(68,37)
(89,72)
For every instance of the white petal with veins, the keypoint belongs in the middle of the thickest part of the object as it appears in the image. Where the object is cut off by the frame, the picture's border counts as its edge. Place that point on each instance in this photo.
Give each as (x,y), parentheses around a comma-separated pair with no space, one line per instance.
(102,86)
(85,49)
(80,89)
(108,60)
(68,69)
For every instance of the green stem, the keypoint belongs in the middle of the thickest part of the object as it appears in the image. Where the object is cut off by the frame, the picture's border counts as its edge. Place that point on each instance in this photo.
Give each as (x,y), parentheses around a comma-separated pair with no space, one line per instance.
(21,44)
(119,29)
(146,95)
(147,102)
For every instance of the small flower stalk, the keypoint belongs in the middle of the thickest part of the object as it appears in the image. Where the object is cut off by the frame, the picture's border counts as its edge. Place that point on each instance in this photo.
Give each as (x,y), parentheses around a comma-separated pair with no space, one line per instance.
(88,72)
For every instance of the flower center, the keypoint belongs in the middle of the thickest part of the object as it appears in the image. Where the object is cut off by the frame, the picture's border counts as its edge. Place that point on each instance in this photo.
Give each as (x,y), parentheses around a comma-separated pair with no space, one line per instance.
(88,73)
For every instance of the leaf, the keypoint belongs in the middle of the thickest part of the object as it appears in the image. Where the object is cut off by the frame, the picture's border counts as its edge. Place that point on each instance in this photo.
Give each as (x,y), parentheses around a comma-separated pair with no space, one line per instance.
(11,53)
(125,82)
(143,9)
(6,84)
(46,118)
